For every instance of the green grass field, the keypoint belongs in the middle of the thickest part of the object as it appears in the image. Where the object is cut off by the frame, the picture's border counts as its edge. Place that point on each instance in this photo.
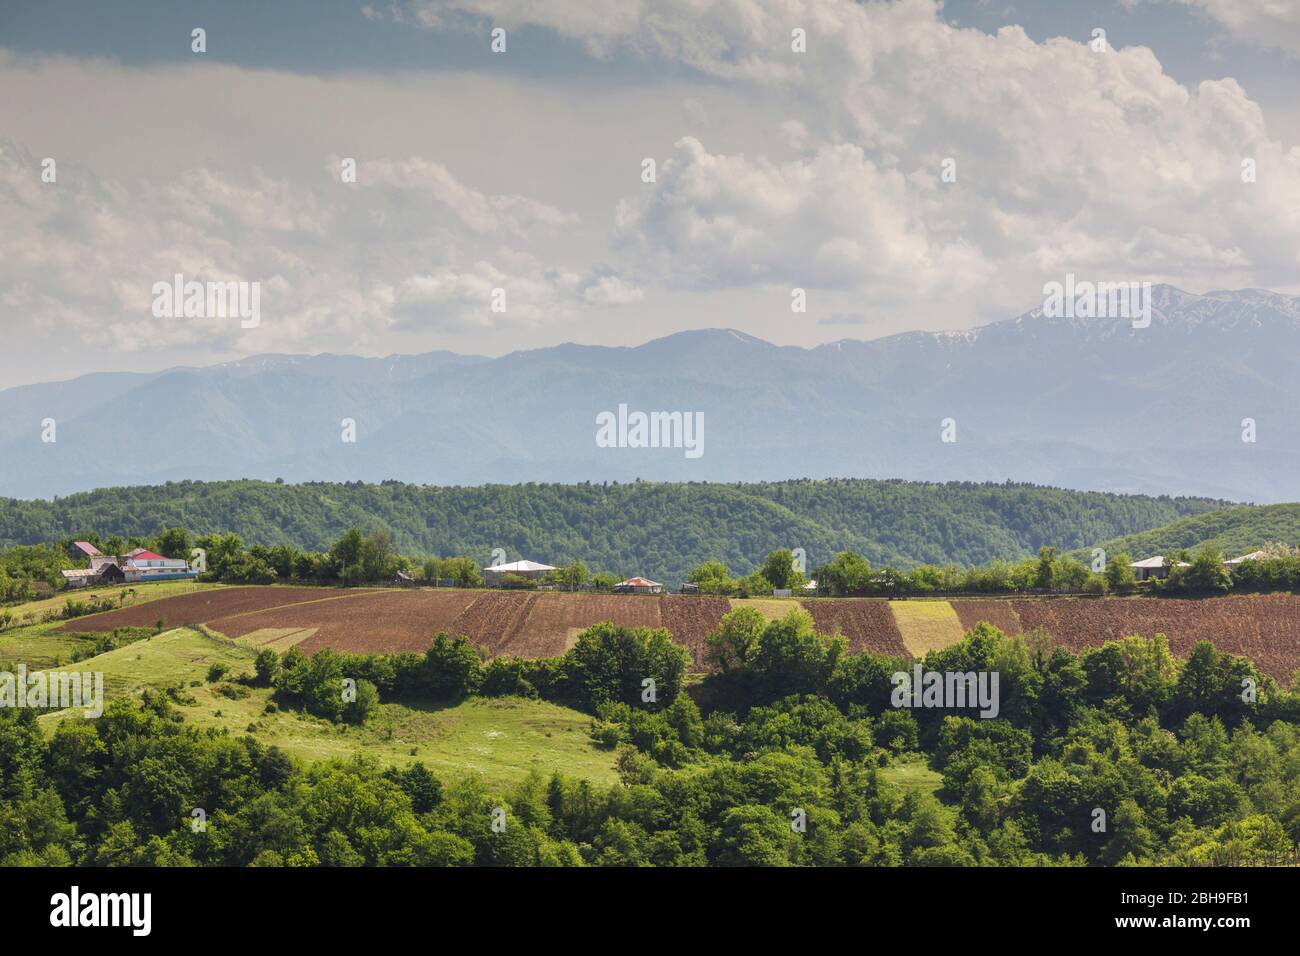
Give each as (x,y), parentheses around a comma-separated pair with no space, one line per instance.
(39,646)
(499,739)
(913,775)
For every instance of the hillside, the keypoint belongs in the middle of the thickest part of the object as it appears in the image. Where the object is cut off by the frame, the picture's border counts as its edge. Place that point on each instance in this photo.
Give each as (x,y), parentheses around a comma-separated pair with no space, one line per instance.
(658,529)
(1232,531)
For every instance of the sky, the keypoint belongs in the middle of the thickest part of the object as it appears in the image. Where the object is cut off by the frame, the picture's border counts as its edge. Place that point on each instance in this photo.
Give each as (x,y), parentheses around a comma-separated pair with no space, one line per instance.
(907,165)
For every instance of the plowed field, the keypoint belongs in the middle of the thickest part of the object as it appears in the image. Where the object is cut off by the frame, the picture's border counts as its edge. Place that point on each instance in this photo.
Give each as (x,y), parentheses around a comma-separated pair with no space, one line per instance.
(1264,628)
(868,624)
(202,607)
(692,619)
(970,611)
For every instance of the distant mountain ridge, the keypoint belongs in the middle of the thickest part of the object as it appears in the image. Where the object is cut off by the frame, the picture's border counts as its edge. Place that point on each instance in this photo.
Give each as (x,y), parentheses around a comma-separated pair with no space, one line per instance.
(1081,403)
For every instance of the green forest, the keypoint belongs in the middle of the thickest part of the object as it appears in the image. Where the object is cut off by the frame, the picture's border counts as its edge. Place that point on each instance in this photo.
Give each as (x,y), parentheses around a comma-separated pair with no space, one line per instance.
(661,530)
(793,752)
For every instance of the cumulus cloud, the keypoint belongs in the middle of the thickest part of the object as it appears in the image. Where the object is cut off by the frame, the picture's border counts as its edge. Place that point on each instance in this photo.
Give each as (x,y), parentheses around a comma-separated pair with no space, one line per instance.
(1065,158)
(81,255)
(910,169)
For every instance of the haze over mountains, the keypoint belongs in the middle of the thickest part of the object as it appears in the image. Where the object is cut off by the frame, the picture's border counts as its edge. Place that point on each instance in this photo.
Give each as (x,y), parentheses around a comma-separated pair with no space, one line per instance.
(1080,403)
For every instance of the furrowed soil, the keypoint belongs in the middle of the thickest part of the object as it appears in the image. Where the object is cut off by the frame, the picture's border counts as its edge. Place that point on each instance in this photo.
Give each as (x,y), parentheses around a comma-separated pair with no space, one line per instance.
(374,622)
(867,623)
(201,607)
(971,611)
(555,620)
(692,619)
(1263,628)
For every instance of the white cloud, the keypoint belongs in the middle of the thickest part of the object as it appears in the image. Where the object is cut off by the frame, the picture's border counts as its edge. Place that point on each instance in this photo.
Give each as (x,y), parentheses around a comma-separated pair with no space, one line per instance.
(1267,23)
(81,255)
(820,169)
(477,210)
(1066,158)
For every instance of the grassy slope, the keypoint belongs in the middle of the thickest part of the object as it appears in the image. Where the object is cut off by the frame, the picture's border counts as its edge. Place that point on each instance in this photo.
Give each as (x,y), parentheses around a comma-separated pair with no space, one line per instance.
(143,593)
(37,646)
(1233,531)
(913,775)
(500,739)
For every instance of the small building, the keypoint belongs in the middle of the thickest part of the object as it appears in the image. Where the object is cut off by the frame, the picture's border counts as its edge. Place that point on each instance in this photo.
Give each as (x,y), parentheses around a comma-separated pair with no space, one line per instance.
(1154,567)
(80,577)
(83,549)
(690,587)
(142,566)
(531,570)
(102,570)
(638,586)
(1253,556)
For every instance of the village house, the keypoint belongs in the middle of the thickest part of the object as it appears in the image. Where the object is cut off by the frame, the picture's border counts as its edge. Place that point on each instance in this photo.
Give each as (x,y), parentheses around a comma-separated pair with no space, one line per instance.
(140,566)
(530,570)
(1153,567)
(638,586)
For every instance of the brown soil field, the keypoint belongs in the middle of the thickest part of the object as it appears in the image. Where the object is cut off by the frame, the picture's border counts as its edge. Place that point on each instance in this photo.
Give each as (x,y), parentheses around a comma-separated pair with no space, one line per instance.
(1264,628)
(380,622)
(202,607)
(492,620)
(970,611)
(692,619)
(867,623)
(555,620)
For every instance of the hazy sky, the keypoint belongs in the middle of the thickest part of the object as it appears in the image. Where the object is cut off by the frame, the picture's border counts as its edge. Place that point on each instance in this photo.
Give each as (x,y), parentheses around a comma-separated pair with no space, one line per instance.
(522,170)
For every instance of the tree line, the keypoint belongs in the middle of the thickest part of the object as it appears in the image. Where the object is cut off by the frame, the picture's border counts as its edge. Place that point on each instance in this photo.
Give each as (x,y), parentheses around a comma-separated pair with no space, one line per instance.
(657,529)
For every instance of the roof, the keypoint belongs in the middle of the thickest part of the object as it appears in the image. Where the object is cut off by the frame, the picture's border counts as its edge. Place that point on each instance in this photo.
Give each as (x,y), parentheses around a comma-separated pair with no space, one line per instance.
(144,555)
(1157,562)
(639,583)
(86,547)
(80,573)
(517,566)
(1253,556)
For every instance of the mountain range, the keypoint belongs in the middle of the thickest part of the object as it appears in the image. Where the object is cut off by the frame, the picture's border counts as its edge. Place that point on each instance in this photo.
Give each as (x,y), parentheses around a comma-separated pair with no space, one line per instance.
(1080,403)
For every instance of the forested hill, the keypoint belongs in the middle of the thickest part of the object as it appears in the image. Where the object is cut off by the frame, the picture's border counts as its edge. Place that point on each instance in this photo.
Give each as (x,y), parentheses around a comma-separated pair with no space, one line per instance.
(657,529)
(1233,531)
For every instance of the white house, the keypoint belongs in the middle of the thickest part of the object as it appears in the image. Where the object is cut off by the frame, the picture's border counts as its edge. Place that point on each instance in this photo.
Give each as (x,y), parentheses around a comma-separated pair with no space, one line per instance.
(638,586)
(1154,567)
(142,566)
(532,570)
